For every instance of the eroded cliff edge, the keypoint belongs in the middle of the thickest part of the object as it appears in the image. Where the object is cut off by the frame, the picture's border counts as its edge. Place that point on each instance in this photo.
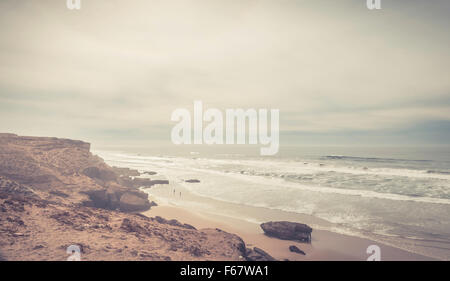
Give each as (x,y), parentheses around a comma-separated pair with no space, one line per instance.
(55,193)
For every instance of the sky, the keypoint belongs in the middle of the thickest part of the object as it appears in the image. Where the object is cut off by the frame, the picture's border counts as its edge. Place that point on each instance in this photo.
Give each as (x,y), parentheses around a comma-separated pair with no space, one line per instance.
(340,74)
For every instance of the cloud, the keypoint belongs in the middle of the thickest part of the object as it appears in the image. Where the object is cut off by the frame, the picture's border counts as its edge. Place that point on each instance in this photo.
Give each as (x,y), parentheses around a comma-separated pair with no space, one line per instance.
(116,66)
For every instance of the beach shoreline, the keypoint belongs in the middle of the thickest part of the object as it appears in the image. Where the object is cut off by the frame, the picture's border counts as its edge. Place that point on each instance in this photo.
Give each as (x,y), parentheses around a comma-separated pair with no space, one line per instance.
(237,196)
(156,212)
(325,245)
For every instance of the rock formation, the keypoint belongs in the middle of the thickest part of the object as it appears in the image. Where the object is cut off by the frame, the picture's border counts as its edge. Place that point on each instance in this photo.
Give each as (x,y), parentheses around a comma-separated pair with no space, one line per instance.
(288,230)
(130,202)
(192,181)
(33,228)
(68,170)
(54,193)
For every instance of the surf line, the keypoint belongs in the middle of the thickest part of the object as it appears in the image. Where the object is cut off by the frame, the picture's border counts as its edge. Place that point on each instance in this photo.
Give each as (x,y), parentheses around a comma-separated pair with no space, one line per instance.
(234,127)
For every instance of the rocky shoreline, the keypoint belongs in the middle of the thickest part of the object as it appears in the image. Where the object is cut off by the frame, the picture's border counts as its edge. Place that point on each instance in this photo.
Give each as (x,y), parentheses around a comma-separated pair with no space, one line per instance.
(55,193)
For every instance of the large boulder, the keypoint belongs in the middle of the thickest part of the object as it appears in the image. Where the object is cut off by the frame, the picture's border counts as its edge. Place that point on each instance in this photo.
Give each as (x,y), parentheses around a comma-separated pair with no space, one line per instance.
(114,198)
(288,230)
(131,202)
(98,199)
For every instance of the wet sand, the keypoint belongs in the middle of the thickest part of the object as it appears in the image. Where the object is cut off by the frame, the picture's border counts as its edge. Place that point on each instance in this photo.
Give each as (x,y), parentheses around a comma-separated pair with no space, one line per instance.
(325,245)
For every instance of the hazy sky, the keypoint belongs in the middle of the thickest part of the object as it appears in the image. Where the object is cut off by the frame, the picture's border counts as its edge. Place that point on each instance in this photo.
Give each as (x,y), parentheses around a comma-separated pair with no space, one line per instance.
(115,70)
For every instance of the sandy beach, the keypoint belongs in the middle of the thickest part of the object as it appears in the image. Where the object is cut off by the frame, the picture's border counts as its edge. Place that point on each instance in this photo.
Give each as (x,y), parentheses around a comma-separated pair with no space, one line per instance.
(325,245)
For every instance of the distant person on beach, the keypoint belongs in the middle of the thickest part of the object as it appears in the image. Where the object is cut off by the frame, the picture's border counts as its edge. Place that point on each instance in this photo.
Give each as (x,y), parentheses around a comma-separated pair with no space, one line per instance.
(180,193)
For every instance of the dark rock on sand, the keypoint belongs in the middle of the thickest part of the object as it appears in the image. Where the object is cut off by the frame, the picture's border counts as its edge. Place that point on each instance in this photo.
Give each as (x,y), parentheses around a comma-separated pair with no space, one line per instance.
(192,181)
(295,249)
(288,230)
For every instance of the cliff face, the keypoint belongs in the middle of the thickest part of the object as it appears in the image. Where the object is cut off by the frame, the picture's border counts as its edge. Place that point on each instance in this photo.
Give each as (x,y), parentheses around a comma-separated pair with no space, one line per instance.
(66,167)
(54,193)
(44,162)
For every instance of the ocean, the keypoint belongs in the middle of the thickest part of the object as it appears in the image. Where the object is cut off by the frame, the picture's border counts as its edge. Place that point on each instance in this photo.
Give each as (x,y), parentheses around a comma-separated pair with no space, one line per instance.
(398,196)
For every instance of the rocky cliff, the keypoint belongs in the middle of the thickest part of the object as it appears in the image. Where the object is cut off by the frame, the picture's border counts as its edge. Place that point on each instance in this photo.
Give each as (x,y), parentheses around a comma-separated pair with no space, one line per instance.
(54,193)
(68,171)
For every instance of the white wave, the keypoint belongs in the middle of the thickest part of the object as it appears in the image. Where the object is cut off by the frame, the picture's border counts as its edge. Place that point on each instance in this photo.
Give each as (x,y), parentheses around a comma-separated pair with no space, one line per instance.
(276,168)
(281,183)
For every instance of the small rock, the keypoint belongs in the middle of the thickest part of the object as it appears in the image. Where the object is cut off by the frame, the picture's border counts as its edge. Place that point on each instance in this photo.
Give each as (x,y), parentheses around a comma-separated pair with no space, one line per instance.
(295,249)
(192,181)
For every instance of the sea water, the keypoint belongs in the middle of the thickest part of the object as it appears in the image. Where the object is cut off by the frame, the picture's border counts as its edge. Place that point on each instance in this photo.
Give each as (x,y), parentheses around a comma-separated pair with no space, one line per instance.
(396,195)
